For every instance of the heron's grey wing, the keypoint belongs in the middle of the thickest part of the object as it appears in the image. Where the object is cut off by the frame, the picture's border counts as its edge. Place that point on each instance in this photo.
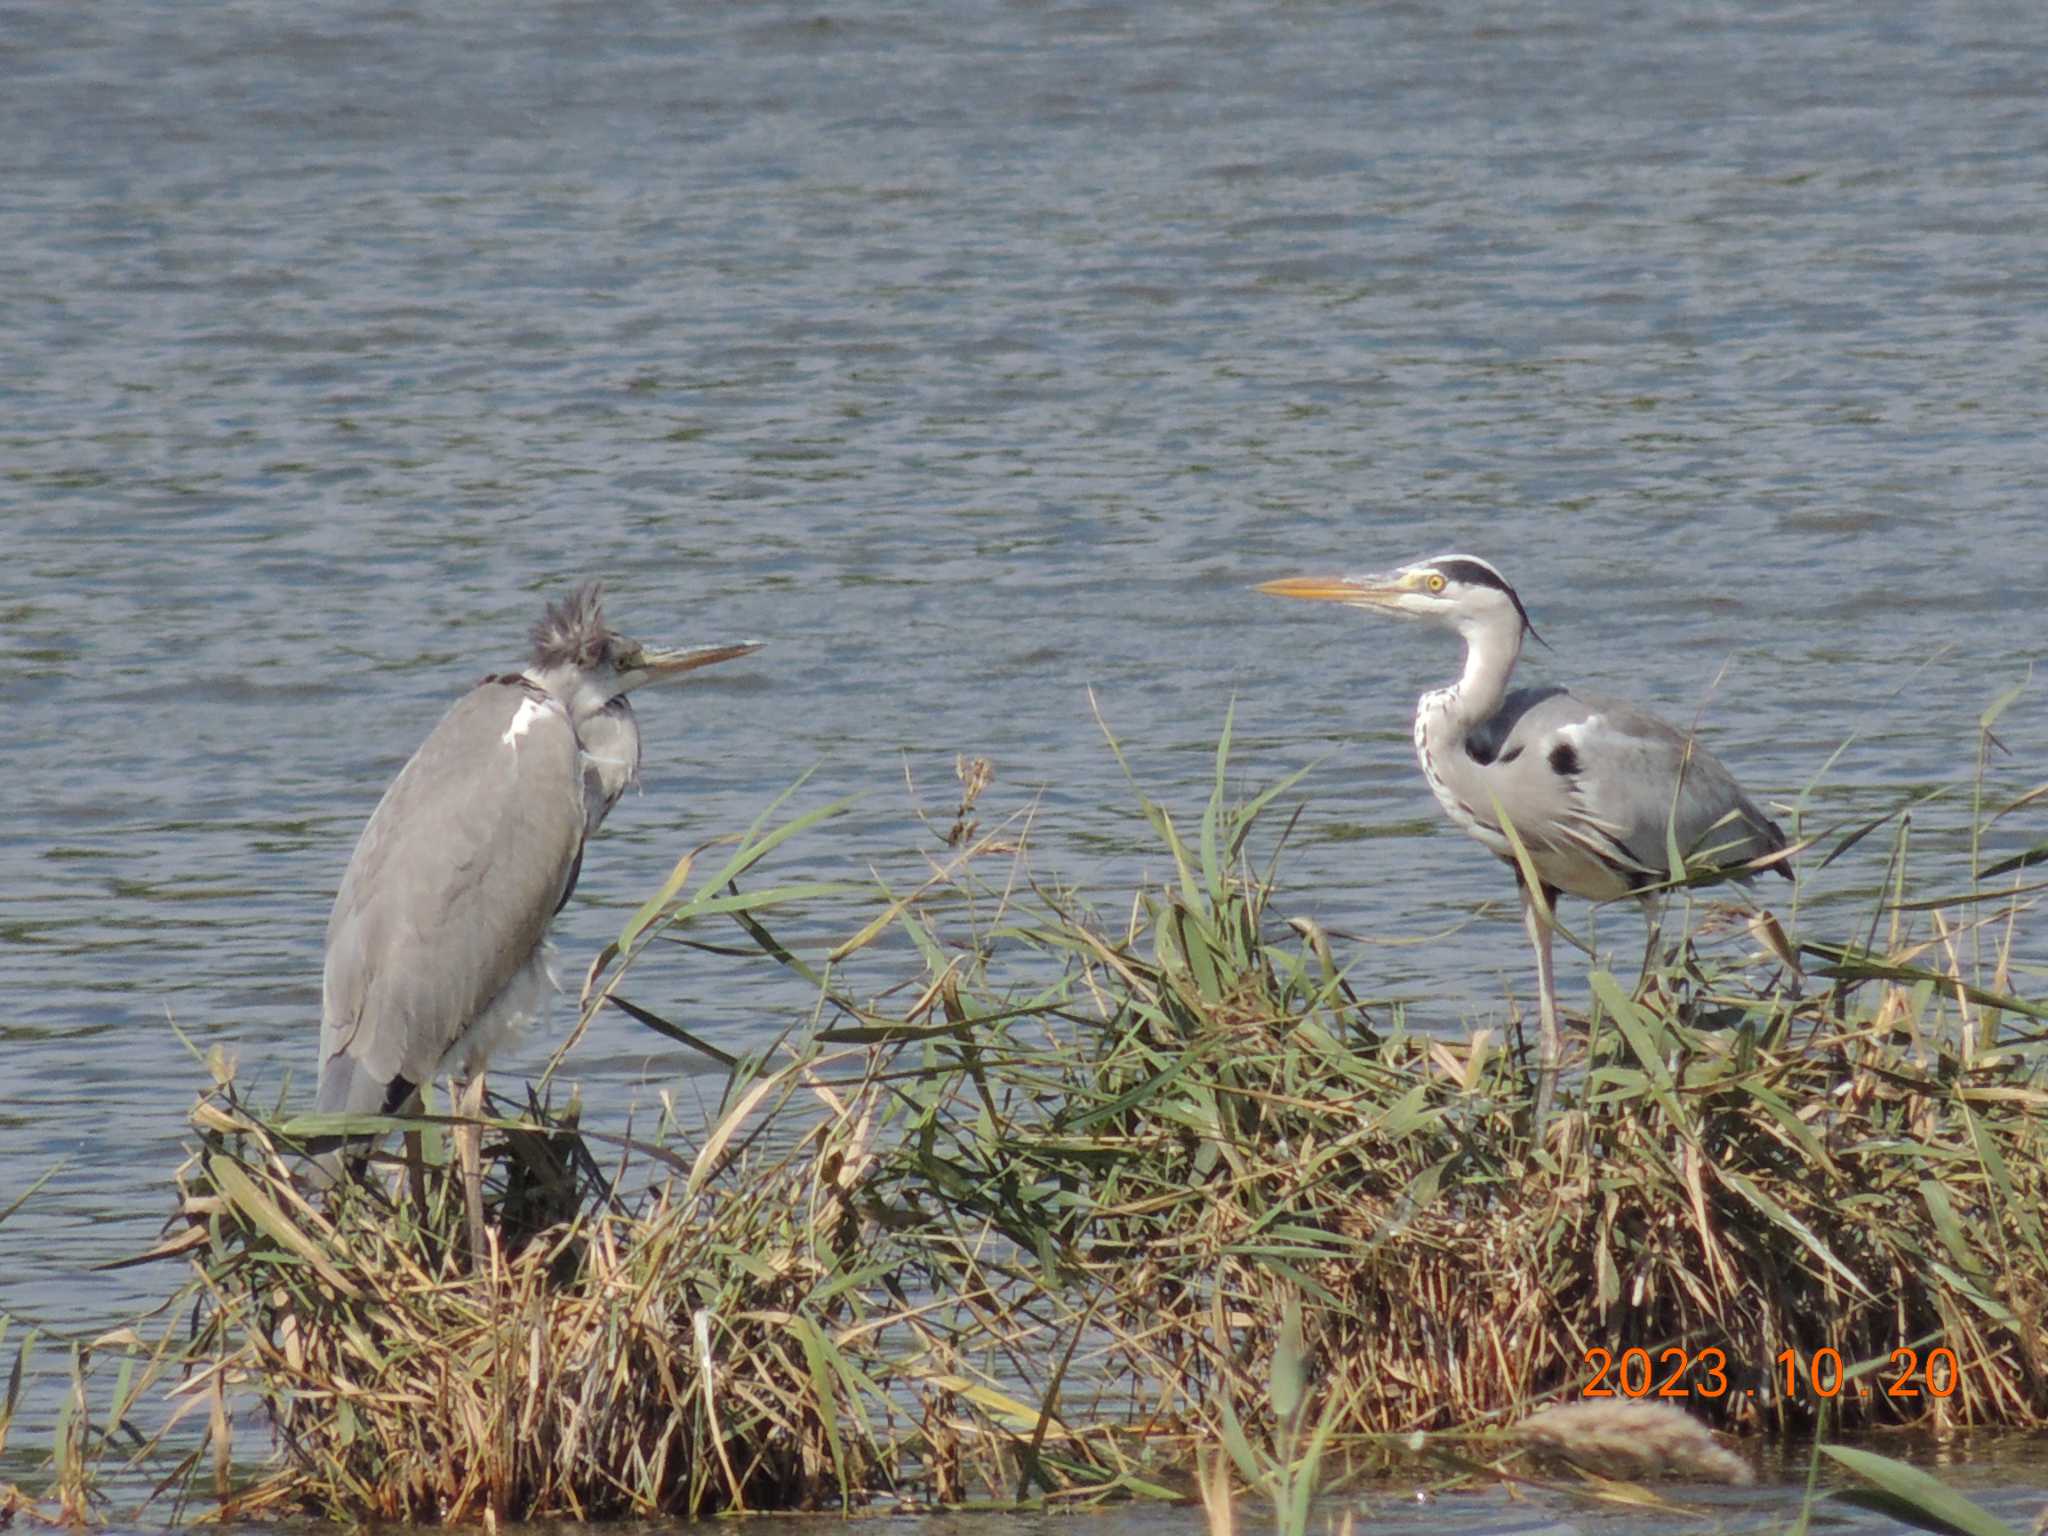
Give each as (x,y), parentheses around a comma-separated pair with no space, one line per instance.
(1512,768)
(1594,784)
(1591,785)
(1655,779)
(449,891)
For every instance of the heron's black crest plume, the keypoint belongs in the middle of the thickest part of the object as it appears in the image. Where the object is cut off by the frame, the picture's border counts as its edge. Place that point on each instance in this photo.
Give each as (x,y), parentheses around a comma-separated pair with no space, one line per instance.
(572,632)
(1477,573)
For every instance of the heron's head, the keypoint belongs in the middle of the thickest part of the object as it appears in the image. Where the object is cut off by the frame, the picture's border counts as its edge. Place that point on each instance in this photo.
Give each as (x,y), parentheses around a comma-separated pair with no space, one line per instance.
(1457,592)
(587,664)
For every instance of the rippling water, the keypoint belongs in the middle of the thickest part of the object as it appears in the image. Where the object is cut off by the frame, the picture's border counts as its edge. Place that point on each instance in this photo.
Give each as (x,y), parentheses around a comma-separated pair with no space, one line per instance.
(975,356)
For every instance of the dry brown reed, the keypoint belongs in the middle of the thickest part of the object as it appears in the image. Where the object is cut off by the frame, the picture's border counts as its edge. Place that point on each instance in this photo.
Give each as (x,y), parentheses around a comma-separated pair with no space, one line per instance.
(663,1355)
(724,1337)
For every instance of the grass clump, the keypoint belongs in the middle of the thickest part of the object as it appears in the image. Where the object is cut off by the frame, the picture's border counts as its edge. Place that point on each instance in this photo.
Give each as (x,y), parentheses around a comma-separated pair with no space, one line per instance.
(1076,1195)
(1199,1122)
(667,1354)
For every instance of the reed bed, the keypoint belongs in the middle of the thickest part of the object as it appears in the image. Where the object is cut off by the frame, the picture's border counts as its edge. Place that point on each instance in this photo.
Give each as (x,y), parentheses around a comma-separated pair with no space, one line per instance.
(1075,1195)
(605,1356)
(648,1335)
(1202,1121)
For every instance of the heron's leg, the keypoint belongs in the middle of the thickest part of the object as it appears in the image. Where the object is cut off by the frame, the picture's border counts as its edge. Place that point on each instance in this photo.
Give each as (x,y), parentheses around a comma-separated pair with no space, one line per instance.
(1653,918)
(415,1175)
(469,1147)
(1546,985)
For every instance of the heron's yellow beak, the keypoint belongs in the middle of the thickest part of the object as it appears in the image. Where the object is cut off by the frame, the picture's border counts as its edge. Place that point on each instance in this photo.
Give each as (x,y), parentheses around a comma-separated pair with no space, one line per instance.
(1369,590)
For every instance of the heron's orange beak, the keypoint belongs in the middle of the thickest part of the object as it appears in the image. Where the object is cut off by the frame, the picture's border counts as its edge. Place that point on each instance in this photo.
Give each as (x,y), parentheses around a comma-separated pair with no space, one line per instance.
(1333,589)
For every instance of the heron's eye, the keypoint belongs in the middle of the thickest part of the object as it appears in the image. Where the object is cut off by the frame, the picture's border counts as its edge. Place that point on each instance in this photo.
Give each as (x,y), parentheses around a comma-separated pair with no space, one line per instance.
(1435,582)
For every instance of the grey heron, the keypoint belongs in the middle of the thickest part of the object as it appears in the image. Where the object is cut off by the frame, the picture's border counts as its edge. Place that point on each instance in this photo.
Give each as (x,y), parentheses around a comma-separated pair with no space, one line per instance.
(437,946)
(1596,790)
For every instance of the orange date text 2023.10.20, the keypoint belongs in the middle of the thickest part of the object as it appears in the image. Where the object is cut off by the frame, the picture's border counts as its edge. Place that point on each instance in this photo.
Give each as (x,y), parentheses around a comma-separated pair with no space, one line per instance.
(1680,1372)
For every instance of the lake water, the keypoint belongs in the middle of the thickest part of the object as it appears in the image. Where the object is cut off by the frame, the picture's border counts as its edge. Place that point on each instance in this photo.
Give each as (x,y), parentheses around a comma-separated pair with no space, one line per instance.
(976,356)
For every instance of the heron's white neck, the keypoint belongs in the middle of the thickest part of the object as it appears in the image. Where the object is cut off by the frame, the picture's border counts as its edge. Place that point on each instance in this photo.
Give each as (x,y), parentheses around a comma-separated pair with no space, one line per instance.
(1446,717)
(1475,698)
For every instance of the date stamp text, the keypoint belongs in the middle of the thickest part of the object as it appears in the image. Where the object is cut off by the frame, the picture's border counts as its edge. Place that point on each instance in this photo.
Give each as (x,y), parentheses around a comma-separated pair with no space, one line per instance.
(1678,1372)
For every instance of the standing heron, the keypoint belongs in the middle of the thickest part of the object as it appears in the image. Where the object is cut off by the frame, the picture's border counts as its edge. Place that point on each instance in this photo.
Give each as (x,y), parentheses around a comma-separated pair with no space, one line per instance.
(1596,790)
(436,951)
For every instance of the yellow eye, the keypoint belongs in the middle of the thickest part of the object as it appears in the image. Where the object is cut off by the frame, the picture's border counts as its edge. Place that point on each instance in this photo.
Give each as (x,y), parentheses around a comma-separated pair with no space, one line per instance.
(1435,582)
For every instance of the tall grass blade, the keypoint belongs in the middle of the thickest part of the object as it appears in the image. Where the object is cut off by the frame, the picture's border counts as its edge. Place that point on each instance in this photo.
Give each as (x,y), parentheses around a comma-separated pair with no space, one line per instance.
(1913,1497)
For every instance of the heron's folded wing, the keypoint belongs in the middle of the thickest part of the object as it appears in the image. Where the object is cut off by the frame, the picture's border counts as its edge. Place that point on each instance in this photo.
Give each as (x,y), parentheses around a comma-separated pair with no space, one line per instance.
(1648,778)
(1545,758)
(450,888)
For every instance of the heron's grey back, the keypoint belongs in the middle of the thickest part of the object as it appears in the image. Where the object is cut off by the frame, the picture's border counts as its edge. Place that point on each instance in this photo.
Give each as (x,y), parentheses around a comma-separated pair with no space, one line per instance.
(1657,778)
(450,890)
(1609,778)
